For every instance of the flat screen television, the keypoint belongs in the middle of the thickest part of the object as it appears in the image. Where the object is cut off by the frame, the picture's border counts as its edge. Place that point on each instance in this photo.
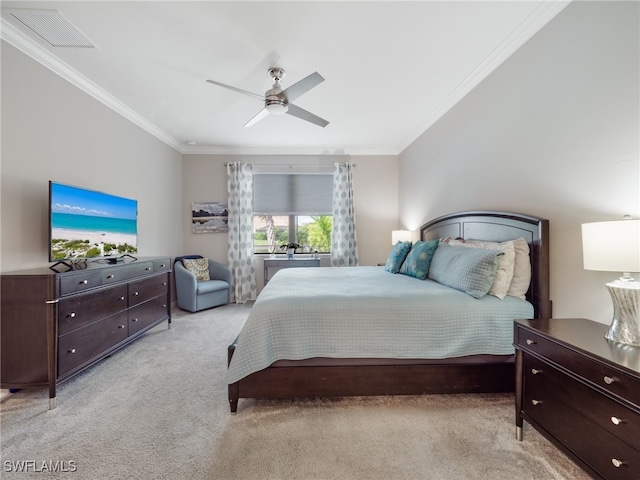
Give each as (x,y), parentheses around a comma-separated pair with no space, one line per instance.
(85,224)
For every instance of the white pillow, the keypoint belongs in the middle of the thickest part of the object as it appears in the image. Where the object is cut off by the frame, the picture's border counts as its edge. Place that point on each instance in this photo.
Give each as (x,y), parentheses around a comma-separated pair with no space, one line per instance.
(506,263)
(522,272)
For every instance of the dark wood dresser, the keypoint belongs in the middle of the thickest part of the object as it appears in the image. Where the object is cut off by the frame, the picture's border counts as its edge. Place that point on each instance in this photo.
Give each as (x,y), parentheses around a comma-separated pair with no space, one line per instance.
(582,392)
(56,324)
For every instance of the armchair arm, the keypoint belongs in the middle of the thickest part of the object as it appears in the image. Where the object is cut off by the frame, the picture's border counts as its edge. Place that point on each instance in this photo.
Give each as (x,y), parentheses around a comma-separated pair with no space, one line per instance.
(186,286)
(219,271)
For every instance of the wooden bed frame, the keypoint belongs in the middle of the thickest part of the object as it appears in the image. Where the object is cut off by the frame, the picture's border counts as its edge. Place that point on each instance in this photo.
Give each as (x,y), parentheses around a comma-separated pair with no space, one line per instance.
(298,379)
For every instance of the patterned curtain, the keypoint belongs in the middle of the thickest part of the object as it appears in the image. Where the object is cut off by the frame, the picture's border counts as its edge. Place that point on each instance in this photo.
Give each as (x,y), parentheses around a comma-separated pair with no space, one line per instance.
(240,199)
(344,252)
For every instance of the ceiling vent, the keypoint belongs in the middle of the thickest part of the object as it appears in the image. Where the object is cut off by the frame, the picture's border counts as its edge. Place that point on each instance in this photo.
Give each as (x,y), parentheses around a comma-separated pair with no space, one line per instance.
(52,27)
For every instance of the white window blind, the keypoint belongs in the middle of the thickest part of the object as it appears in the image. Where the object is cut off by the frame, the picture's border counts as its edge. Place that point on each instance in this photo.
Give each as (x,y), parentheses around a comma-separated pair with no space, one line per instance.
(292,194)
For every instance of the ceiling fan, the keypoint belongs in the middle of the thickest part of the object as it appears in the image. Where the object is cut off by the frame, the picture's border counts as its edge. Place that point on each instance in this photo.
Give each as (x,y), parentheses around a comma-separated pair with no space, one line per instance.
(278,101)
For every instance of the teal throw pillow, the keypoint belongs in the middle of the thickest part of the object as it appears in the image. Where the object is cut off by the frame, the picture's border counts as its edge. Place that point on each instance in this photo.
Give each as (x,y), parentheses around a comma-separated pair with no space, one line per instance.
(419,258)
(470,270)
(397,256)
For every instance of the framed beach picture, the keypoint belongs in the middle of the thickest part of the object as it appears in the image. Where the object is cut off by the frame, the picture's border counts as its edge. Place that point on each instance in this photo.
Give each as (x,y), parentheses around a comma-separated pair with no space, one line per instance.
(209,217)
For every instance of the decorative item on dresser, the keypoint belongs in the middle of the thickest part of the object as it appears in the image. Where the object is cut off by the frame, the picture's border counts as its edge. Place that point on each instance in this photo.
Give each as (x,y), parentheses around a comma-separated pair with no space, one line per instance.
(580,391)
(56,324)
(615,247)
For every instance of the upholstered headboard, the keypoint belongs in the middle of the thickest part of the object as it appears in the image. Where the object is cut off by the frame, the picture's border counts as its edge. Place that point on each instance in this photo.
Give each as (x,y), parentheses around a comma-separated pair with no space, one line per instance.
(499,227)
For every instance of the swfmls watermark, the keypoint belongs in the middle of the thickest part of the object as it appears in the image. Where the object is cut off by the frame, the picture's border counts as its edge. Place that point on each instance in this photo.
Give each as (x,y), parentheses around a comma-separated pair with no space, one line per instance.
(36,466)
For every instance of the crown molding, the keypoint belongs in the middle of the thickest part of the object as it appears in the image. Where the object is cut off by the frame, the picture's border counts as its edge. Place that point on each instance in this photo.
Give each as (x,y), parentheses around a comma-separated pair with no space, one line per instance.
(30,47)
(527,29)
(218,150)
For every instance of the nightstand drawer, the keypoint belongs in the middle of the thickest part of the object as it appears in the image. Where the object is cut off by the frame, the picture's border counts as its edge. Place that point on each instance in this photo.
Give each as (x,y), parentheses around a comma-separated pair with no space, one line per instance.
(607,378)
(591,443)
(616,418)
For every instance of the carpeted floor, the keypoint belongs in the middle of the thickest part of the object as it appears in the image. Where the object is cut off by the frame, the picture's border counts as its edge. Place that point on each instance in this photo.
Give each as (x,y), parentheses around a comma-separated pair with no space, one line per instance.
(158,410)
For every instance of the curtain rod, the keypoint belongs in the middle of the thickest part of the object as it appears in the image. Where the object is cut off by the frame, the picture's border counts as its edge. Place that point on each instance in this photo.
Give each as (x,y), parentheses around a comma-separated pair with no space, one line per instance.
(290,165)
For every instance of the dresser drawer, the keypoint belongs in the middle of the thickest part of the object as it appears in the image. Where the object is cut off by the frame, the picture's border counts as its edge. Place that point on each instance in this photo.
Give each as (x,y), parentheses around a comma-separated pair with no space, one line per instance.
(142,290)
(609,379)
(542,379)
(80,310)
(147,313)
(84,344)
(77,282)
(140,269)
(113,275)
(595,446)
(162,265)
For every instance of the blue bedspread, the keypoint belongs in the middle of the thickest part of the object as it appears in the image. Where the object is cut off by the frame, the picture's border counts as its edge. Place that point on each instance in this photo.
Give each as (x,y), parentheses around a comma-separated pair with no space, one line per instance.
(366,312)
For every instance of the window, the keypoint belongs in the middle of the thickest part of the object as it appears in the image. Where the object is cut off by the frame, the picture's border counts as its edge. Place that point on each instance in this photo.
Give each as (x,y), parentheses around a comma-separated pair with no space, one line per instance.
(292,208)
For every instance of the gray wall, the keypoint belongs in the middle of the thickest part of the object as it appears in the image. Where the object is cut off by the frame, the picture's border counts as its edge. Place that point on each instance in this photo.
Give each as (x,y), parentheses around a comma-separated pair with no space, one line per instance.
(553,132)
(51,130)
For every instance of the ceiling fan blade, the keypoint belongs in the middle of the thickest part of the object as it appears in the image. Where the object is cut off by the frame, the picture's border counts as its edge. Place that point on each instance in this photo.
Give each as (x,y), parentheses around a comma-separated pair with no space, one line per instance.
(239,90)
(305,115)
(257,117)
(302,87)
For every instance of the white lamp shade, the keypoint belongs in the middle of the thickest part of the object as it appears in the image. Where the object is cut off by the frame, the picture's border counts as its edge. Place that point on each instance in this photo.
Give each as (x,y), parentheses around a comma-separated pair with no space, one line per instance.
(611,246)
(400,236)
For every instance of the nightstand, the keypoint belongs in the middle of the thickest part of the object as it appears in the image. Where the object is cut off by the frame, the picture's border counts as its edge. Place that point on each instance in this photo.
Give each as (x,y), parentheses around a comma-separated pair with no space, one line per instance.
(581,392)
(271,266)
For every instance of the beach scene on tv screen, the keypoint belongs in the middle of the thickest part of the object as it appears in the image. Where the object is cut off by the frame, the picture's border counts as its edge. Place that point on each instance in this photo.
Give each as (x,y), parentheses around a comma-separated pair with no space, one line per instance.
(86,224)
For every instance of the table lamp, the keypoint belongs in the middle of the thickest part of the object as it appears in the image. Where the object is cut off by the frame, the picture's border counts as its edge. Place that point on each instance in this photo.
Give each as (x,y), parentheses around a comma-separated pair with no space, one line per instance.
(400,236)
(615,247)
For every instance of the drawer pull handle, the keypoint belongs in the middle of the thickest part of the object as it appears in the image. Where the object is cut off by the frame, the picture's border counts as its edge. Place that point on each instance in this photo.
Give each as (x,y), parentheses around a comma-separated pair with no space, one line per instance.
(148,268)
(83,282)
(121,326)
(530,342)
(617,463)
(134,319)
(164,306)
(73,350)
(609,380)
(536,371)
(110,276)
(135,294)
(536,402)
(162,266)
(72,315)
(121,298)
(164,284)
(616,420)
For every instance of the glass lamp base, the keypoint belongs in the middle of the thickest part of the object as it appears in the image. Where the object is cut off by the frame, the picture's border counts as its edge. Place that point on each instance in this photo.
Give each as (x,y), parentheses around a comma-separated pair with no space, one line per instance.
(625,327)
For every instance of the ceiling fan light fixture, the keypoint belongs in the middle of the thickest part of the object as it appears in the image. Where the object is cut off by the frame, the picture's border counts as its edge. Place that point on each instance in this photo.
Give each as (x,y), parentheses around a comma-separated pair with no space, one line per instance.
(278,101)
(276,106)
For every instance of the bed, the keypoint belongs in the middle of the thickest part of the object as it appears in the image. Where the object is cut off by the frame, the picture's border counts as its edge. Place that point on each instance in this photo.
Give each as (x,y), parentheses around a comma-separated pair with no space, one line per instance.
(337,360)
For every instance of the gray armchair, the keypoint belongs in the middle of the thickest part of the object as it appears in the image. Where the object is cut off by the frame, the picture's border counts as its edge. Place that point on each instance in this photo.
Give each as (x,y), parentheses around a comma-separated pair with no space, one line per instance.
(194,295)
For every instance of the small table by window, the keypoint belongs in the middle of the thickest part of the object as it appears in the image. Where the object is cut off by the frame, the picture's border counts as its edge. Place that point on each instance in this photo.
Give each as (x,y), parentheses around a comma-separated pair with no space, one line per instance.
(271,266)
